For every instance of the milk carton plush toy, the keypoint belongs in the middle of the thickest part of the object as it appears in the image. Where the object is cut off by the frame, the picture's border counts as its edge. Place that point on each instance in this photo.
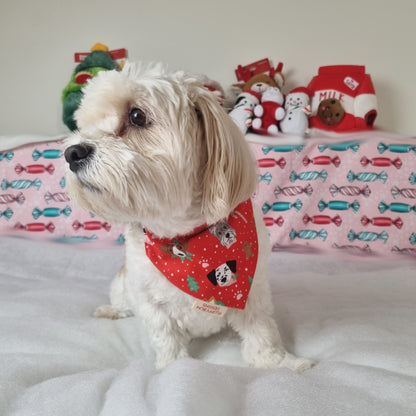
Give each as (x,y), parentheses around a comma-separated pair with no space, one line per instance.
(297,112)
(343,99)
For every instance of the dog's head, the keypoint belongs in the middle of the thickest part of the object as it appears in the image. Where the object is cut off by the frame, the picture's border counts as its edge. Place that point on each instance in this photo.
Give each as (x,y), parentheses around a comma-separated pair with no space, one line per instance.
(156,148)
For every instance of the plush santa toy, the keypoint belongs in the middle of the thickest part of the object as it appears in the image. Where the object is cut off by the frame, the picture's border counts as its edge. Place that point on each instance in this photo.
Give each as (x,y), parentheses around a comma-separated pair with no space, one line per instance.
(269,112)
(296,119)
(242,113)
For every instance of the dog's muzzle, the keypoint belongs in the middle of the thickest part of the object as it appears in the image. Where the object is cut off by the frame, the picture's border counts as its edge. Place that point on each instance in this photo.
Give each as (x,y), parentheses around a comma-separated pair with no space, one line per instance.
(78,155)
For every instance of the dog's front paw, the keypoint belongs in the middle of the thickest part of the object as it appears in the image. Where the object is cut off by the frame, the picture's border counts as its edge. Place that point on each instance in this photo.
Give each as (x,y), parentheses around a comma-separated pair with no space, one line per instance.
(276,358)
(110,312)
(297,364)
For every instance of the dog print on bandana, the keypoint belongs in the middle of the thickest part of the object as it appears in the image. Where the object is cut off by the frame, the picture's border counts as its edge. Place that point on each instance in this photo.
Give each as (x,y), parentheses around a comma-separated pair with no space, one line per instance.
(214,264)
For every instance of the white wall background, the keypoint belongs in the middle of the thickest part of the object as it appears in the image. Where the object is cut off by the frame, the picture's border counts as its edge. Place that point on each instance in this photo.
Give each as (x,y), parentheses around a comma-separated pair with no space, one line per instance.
(38,39)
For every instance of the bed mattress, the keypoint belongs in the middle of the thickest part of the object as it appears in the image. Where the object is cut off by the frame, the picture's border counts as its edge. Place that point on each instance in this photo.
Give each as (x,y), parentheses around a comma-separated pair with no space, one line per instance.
(355,318)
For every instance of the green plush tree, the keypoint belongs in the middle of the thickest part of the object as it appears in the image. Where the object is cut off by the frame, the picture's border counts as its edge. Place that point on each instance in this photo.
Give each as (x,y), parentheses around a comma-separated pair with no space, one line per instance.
(98,60)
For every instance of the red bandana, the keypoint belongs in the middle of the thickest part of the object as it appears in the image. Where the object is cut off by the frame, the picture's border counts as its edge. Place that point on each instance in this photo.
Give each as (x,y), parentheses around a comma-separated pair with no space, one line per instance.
(215,264)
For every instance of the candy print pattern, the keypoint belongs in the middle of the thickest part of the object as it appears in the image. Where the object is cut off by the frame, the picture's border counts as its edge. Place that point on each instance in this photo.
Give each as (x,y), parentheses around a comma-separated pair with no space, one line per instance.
(7,214)
(7,156)
(338,205)
(266,178)
(21,184)
(368,236)
(340,147)
(34,169)
(51,212)
(381,161)
(322,160)
(35,227)
(34,204)
(396,207)
(269,221)
(293,190)
(354,249)
(409,250)
(382,222)
(269,163)
(285,149)
(47,154)
(367,176)
(323,219)
(349,190)
(56,197)
(405,192)
(396,148)
(308,234)
(358,194)
(282,206)
(9,198)
(91,225)
(309,176)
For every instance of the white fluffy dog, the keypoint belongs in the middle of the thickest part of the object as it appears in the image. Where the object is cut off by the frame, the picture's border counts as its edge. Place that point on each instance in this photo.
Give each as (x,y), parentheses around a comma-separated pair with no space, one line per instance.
(155,150)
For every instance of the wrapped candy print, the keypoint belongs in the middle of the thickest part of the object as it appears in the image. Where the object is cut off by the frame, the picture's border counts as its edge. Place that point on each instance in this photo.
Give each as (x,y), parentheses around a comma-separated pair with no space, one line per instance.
(349,194)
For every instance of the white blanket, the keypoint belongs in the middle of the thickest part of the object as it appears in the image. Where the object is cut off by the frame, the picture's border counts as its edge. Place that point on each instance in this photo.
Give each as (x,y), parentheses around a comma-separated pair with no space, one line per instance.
(13,142)
(355,318)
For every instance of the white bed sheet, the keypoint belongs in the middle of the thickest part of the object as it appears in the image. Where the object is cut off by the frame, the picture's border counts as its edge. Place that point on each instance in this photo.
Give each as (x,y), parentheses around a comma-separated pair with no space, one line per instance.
(355,318)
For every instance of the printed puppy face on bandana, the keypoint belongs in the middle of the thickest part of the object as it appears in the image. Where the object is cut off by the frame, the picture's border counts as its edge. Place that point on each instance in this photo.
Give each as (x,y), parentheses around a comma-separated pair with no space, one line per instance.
(223,275)
(224,232)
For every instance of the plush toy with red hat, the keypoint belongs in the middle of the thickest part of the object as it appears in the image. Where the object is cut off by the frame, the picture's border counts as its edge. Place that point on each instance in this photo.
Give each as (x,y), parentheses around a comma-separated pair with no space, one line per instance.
(242,113)
(269,112)
(258,76)
(296,119)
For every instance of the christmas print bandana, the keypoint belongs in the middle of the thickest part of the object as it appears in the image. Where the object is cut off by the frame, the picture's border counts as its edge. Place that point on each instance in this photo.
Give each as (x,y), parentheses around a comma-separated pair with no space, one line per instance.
(215,264)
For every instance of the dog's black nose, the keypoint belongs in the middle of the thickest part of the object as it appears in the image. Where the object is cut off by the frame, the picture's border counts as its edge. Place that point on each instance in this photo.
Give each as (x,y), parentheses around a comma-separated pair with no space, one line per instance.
(77,155)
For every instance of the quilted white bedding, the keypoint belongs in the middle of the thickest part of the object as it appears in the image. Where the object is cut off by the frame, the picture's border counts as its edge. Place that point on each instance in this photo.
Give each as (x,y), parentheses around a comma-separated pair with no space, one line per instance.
(355,317)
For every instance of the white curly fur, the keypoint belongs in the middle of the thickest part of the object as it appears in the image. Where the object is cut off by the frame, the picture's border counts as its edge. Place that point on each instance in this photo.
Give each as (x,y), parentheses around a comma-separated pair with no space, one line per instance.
(188,166)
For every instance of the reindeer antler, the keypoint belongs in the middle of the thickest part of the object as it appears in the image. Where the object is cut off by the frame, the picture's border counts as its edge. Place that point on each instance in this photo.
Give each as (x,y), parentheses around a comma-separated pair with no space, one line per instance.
(278,69)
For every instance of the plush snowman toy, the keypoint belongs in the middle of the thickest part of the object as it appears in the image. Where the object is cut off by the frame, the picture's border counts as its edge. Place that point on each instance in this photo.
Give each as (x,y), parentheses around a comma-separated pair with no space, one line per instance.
(242,113)
(297,112)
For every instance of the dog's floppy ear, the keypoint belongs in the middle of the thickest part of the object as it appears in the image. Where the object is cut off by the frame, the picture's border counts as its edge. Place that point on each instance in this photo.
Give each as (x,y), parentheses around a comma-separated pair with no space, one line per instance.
(229,175)
(232,264)
(212,278)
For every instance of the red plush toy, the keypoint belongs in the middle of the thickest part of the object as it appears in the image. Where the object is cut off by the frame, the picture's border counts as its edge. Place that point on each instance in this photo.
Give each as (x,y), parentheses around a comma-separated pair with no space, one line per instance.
(269,112)
(343,99)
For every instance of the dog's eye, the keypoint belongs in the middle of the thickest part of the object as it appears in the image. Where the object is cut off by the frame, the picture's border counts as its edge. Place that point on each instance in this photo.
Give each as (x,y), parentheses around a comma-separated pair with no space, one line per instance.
(138,117)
